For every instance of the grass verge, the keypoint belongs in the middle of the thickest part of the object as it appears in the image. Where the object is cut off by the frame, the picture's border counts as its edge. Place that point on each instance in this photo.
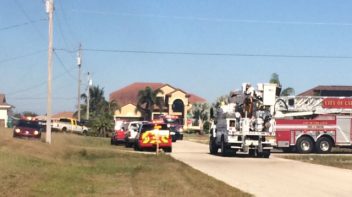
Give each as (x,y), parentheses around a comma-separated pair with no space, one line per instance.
(339,161)
(85,166)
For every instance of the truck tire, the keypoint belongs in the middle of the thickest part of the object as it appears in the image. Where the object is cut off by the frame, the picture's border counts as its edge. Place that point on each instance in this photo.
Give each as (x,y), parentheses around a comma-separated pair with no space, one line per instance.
(265,154)
(223,148)
(213,148)
(128,144)
(323,145)
(64,129)
(305,145)
(168,150)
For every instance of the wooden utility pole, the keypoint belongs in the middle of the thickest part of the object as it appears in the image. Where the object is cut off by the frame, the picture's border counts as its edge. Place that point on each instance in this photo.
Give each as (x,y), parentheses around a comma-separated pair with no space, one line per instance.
(88,95)
(49,5)
(79,63)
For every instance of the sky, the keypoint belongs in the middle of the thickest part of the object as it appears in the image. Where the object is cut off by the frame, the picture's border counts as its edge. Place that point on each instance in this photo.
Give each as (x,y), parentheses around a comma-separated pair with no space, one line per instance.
(205,47)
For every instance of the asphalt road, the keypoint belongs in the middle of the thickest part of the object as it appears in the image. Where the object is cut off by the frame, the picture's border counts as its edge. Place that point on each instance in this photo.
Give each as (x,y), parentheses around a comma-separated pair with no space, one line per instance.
(267,177)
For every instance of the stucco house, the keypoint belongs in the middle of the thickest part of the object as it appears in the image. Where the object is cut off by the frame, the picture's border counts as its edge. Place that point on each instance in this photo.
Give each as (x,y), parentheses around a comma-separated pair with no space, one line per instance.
(5,110)
(177,102)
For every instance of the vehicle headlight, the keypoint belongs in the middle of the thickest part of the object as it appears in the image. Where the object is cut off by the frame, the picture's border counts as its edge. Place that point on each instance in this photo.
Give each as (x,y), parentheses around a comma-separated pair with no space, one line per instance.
(17,130)
(36,132)
(180,130)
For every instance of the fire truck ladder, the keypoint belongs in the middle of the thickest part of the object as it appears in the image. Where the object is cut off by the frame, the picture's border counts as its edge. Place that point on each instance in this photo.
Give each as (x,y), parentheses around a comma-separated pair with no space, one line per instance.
(306,105)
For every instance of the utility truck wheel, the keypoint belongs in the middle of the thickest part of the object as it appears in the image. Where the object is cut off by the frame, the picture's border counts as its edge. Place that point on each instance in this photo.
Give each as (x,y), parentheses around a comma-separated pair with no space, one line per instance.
(323,145)
(265,154)
(223,148)
(253,153)
(213,148)
(304,145)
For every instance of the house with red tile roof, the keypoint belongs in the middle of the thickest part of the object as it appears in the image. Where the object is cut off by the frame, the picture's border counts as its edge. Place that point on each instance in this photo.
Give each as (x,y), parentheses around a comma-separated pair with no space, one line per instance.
(5,109)
(334,90)
(57,116)
(177,101)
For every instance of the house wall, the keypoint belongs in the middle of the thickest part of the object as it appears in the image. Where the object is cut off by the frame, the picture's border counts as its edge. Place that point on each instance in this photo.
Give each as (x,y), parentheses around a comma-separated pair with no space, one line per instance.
(166,90)
(3,117)
(128,111)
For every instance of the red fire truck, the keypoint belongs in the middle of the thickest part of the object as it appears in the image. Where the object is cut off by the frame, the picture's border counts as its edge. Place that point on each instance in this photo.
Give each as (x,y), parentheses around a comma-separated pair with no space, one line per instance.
(313,124)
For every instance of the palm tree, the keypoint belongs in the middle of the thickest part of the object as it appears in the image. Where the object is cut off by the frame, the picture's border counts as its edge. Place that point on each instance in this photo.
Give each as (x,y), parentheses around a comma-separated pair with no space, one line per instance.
(101,112)
(288,92)
(147,99)
(200,113)
(285,92)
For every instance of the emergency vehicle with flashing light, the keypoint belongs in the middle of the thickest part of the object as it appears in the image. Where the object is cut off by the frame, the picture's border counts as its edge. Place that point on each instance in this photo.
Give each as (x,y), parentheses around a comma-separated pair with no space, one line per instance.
(152,135)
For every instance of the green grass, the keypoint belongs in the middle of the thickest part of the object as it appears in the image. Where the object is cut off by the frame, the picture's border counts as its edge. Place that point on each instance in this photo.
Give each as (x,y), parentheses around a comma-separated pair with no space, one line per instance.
(339,161)
(85,166)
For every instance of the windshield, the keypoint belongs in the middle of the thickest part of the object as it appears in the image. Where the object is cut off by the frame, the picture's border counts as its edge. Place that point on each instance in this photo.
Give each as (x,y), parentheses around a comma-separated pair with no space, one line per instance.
(149,127)
(30,124)
(172,121)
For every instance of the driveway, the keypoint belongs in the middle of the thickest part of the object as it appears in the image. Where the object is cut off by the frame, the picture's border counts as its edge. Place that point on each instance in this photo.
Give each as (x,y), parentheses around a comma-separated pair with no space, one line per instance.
(267,177)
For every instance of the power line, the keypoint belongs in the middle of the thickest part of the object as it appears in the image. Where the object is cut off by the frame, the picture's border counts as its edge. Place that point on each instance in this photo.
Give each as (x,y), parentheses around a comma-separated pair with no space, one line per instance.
(41,98)
(35,86)
(21,24)
(22,56)
(217,54)
(63,65)
(213,19)
(41,35)
(74,36)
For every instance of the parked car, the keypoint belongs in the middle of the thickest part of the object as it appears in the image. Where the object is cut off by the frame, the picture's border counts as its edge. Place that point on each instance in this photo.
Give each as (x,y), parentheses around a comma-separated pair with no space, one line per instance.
(118,137)
(176,133)
(131,132)
(151,134)
(27,129)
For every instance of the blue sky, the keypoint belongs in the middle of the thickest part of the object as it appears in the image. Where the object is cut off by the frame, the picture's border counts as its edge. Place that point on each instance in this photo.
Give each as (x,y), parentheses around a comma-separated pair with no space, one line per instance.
(255,27)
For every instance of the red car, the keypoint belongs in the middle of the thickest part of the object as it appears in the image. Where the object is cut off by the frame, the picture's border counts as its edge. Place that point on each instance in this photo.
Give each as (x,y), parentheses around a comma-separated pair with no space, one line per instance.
(27,129)
(118,137)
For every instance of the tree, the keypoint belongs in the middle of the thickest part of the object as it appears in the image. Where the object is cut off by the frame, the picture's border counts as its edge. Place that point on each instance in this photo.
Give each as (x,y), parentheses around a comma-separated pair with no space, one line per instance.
(275,79)
(288,92)
(147,100)
(285,92)
(200,113)
(25,114)
(101,111)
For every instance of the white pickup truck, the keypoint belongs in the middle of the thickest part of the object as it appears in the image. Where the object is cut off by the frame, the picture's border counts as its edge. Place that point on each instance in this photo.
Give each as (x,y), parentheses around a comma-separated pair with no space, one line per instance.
(71,125)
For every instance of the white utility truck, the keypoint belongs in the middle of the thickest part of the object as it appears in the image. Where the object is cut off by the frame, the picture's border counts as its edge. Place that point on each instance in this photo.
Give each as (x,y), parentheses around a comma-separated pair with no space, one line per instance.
(245,124)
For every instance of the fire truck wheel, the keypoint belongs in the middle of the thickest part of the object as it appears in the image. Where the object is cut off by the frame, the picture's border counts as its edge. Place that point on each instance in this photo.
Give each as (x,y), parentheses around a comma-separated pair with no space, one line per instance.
(323,145)
(213,148)
(304,145)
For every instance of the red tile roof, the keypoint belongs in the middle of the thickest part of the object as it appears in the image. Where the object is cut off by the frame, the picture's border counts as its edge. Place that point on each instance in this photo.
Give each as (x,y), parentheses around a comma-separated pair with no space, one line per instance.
(196,99)
(129,94)
(63,115)
(313,91)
